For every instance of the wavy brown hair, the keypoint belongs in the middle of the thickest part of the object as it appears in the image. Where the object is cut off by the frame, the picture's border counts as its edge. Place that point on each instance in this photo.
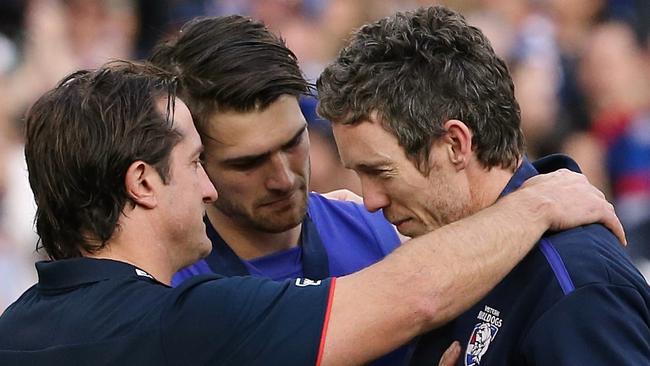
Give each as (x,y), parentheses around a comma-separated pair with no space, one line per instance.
(229,63)
(81,137)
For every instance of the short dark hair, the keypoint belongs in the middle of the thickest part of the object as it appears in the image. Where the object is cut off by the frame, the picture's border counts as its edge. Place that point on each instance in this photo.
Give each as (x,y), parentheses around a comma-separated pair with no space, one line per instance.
(81,138)
(419,69)
(230,63)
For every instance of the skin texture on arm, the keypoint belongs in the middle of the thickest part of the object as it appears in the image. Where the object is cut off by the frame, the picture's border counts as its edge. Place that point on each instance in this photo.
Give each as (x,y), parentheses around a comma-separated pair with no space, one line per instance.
(433,278)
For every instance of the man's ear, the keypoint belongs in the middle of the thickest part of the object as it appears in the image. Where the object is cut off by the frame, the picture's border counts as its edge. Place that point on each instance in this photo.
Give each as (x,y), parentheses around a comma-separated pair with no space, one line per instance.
(140,181)
(459,143)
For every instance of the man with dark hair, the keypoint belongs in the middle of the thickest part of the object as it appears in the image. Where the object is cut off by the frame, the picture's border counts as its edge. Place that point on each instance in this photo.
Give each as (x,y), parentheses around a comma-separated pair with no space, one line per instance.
(242,85)
(425,112)
(114,164)
(89,197)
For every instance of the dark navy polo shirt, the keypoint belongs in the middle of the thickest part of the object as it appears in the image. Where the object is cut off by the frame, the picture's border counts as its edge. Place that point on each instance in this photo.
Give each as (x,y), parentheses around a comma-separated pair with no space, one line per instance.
(576,299)
(102,312)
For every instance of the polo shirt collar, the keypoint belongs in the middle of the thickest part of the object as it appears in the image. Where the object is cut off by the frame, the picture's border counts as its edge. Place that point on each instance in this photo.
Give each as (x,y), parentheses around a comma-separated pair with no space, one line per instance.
(526,170)
(544,165)
(69,273)
(224,261)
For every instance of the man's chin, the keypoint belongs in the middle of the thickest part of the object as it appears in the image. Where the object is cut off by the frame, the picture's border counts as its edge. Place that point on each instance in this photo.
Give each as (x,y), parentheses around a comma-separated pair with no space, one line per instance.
(276,225)
(275,221)
(409,234)
(411,229)
(205,249)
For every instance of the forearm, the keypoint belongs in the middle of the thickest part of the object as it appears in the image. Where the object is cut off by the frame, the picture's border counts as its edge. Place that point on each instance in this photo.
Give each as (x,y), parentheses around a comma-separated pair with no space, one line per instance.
(463,261)
(430,279)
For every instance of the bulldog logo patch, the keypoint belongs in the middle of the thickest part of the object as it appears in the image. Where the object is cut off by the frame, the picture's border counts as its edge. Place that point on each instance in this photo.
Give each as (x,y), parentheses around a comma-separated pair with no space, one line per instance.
(482,335)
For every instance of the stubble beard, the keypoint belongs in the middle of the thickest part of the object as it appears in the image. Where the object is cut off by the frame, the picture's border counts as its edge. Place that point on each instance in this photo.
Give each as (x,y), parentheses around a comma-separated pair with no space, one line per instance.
(263,219)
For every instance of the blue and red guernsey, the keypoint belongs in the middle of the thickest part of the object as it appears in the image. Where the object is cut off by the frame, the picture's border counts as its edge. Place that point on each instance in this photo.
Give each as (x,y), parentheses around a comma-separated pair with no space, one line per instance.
(337,238)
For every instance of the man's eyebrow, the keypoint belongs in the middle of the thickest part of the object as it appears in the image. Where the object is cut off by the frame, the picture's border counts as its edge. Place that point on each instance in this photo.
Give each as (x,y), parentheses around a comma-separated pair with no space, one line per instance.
(371,165)
(296,136)
(247,159)
(239,160)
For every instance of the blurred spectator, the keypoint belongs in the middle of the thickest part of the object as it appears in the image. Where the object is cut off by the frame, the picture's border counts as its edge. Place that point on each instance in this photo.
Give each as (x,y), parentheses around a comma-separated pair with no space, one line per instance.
(54,45)
(17,208)
(11,24)
(615,77)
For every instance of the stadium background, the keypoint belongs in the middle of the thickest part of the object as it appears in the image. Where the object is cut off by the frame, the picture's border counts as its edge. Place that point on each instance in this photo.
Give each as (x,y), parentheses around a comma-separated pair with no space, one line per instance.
(581,70)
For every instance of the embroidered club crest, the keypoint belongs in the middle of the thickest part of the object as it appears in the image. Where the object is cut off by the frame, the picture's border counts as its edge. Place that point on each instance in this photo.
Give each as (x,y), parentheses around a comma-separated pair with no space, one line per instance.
(482,336)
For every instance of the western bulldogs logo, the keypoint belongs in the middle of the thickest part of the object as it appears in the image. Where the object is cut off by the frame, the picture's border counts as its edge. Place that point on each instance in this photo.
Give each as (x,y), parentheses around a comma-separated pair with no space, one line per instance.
(482,335)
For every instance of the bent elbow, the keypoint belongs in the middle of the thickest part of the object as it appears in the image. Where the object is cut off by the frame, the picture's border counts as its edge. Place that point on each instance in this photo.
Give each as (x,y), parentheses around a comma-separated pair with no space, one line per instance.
(429,313)
(435,308)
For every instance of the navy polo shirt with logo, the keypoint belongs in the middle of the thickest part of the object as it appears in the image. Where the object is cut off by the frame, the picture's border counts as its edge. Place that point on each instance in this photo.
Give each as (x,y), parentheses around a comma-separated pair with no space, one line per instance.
(576,299)
(102,312)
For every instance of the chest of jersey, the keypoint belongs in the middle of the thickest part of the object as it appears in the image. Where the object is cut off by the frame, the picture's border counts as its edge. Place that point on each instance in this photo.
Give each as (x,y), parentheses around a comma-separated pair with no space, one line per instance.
(493,330)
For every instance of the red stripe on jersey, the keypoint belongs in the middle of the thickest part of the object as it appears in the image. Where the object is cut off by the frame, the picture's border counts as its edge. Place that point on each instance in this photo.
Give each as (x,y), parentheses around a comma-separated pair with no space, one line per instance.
(321,348)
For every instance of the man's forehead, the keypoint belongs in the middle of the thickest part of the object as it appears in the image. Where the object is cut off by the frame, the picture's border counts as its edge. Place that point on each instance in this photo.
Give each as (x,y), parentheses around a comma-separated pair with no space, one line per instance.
(182,120)
(246,133)
(366,144)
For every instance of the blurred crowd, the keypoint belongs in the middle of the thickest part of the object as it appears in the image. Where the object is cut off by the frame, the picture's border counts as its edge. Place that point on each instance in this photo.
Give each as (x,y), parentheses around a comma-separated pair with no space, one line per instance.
(581,70)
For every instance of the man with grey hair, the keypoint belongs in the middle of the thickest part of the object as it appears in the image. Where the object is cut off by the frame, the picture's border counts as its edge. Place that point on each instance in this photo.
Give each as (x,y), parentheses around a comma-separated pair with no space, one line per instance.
(424,111)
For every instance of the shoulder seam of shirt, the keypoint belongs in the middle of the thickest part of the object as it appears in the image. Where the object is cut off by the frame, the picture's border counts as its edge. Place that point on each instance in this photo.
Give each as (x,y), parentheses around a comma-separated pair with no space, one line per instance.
(557,265)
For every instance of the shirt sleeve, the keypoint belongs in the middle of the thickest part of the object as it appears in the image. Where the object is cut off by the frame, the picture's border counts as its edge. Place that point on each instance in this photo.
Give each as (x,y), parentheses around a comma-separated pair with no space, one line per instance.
(593,325)
(247,321)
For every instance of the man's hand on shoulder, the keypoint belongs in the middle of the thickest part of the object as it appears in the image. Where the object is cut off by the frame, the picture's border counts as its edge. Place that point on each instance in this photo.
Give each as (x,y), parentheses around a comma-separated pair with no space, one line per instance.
(566,199)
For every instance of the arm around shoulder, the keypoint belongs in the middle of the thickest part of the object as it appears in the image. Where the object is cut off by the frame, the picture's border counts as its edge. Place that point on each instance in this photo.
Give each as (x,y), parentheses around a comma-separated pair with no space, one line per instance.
(432,279)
